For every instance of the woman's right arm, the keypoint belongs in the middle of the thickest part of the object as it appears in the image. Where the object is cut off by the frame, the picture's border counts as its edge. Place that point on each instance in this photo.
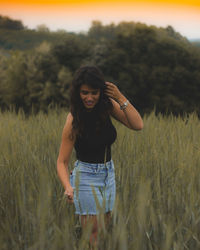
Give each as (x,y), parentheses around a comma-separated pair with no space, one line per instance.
(65,151)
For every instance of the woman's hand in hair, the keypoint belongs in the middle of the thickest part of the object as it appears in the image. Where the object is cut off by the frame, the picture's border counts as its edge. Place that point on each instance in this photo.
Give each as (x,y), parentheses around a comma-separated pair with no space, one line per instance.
(113,92)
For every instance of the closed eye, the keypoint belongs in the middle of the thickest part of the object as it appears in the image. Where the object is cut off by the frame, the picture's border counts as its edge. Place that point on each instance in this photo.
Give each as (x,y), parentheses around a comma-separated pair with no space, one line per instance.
(84,92)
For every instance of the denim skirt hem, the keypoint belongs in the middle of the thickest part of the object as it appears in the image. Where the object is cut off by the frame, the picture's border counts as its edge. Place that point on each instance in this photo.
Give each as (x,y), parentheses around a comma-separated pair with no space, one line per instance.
(77,213)
(94,187)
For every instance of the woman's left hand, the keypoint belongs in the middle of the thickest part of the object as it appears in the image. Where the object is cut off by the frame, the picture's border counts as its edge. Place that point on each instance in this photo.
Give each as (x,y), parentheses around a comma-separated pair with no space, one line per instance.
(113,92)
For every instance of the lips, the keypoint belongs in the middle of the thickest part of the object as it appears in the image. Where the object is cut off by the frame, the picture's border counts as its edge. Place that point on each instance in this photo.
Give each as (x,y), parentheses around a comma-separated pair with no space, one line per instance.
(89,103)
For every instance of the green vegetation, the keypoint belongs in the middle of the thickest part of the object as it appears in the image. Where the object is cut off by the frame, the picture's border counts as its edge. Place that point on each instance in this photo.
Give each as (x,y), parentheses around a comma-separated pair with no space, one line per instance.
(15,36)
(156,68)
(29,39)
(10,24)
(157,175)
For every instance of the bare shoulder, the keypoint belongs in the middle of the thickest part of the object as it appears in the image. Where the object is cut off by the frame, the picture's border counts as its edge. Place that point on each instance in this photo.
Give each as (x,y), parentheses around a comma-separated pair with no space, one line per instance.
(67,141)
(68,125)
(69,119)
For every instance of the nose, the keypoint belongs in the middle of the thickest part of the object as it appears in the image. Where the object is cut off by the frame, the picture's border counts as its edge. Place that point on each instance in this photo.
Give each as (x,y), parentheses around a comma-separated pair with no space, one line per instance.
(89,97)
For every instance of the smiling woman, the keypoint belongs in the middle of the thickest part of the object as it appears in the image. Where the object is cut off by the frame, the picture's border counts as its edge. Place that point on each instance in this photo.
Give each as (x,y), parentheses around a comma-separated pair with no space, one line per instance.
(89,96)
(89,129)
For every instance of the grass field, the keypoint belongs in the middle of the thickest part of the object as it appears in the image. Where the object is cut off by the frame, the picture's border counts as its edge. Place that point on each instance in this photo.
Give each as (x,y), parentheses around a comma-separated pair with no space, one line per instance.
(158,186)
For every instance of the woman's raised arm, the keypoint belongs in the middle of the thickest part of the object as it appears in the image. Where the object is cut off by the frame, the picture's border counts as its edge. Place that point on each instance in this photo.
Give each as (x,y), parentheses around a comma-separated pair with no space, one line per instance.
(128,115)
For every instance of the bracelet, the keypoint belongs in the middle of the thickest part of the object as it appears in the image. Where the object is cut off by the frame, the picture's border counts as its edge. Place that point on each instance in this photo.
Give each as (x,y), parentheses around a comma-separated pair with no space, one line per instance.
(124,105)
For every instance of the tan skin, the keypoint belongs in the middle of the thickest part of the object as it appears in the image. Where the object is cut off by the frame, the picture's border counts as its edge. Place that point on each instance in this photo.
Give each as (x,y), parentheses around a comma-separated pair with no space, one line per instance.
(128,117)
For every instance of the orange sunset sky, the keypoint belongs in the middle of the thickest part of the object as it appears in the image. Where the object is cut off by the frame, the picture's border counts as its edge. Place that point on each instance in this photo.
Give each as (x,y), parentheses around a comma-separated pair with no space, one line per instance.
(77,15)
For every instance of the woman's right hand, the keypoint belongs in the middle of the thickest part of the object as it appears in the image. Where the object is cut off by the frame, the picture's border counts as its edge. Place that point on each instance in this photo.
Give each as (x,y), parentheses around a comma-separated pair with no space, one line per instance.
(69,192)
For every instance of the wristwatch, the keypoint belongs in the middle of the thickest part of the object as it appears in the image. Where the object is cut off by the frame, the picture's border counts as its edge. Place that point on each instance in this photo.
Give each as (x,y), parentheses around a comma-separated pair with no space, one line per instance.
(124,105)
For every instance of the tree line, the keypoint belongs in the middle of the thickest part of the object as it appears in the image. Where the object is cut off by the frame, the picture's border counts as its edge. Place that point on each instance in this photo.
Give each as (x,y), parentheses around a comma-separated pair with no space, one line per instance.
(156,68)
(10,24)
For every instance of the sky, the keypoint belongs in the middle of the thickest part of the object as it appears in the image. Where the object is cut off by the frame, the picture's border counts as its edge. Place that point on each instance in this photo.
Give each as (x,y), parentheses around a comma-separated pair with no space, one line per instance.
(77,15)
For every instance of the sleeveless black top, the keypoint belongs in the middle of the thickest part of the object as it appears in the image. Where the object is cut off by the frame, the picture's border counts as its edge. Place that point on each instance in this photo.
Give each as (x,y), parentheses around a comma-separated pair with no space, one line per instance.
(94,145)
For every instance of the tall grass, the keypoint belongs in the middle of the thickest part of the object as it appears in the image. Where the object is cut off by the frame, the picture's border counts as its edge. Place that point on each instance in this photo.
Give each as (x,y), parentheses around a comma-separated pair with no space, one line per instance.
(158,186)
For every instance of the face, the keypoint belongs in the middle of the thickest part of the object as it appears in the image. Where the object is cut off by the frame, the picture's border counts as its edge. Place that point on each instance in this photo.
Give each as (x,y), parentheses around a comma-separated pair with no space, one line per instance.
(89,96)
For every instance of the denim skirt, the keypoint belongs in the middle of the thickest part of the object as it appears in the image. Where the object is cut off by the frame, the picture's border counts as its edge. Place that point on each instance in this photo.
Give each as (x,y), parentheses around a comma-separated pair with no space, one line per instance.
(94,187)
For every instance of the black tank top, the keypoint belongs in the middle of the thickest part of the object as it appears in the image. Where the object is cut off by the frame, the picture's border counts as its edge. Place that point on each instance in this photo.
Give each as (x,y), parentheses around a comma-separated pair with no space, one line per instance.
(94,145)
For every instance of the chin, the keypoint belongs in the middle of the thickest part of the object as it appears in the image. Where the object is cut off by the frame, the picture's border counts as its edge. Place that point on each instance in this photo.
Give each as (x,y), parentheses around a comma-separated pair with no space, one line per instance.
(89,107)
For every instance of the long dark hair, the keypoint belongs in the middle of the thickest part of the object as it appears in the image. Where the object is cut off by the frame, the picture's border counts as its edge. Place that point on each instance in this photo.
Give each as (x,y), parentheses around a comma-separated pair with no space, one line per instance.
(93,77)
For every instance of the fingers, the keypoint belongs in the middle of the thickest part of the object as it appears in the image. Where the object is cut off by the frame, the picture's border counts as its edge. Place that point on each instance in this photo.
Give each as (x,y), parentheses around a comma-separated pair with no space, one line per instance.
(70,199)
(112,90)
(109,92)
(110,85)
(70,196)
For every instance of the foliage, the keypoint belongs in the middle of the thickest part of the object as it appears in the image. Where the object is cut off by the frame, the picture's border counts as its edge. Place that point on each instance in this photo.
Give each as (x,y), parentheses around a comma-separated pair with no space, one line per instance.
(156,68)
(71,52)
(29,39)
(152,69)
(34,81)
(10,24)
(157,179)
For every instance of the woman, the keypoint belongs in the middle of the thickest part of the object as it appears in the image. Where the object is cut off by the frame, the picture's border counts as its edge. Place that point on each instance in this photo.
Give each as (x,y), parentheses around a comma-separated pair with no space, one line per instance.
(88,128)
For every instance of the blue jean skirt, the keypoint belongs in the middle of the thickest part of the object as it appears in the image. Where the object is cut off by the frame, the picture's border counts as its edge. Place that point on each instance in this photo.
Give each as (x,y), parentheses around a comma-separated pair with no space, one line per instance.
(94,187)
